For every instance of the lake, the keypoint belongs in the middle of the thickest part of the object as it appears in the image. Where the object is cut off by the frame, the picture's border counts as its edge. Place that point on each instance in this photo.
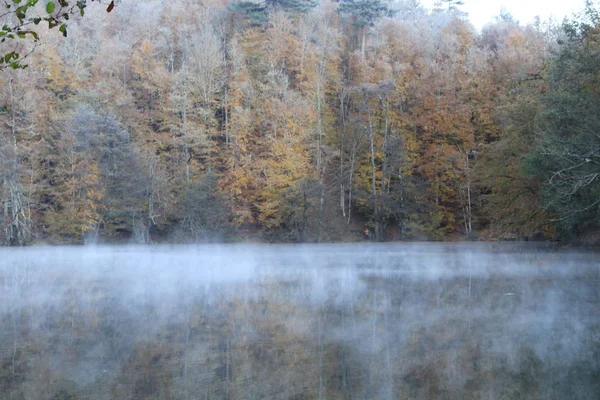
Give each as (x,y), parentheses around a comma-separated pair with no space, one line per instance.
(351,321)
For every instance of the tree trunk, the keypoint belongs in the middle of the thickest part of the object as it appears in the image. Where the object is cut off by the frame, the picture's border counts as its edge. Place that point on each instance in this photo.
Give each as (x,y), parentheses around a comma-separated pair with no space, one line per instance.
(374,180)
(467,206)
(343,136)
(351,179)
(385,164)
(363,44)
(320,167)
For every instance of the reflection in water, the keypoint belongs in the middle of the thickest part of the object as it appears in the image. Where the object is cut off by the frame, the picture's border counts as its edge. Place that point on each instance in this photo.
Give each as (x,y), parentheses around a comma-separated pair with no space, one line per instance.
(393,321)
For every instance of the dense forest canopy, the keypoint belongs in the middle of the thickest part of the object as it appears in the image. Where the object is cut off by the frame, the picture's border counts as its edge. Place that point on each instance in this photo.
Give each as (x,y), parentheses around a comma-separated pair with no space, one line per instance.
(297,120)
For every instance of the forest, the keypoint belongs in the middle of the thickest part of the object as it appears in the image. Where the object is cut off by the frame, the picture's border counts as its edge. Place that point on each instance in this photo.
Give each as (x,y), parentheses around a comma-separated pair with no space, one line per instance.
(298,121)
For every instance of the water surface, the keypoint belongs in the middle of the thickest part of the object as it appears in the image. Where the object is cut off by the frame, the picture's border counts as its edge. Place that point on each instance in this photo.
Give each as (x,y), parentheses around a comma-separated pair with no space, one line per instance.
(355,321)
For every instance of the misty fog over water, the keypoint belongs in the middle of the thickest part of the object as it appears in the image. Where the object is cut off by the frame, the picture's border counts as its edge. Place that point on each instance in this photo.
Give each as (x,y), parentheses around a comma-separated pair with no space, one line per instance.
(353,321)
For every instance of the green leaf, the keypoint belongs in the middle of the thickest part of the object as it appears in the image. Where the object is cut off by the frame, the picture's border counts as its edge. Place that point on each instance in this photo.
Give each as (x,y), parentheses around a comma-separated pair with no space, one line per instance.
(50,7)
(21,35)
(21,12)
(81,5)
(37,20)
(10,56)
(63,29)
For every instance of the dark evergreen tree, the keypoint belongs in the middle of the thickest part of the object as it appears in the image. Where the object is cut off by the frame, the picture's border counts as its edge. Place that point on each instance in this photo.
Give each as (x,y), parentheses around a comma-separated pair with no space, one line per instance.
(567,152)
(365,12)
(450,5)
(258,11)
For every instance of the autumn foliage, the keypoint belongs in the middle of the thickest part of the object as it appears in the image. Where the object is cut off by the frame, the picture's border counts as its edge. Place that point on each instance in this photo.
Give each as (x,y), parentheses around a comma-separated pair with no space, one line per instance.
(296,121)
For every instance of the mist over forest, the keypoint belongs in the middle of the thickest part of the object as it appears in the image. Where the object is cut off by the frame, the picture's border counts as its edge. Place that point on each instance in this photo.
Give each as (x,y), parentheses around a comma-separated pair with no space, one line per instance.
(355,321)
(188,124)
(295,121)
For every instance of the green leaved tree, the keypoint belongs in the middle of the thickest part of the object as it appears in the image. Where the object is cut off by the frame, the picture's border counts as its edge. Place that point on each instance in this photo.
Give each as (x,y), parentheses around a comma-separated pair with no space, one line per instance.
(567,150)
(20,21)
